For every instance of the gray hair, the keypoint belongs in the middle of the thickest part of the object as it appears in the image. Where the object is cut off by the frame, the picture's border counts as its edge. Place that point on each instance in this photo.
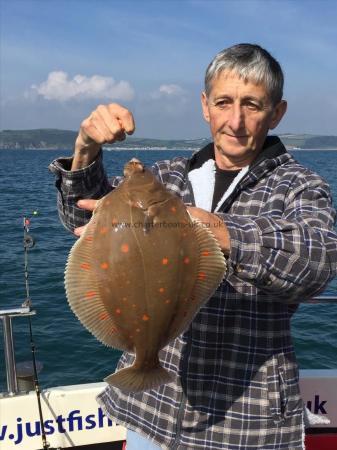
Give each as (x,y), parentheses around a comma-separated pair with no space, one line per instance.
(251,63)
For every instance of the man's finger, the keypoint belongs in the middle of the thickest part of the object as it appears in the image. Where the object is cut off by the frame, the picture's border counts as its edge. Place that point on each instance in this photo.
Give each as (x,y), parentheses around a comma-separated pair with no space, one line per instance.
(108,124)
(79,230)
(88,204)
(124,117)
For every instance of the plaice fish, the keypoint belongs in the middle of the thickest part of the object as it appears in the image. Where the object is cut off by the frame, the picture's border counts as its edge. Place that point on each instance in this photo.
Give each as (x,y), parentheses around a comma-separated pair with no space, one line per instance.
(140,272)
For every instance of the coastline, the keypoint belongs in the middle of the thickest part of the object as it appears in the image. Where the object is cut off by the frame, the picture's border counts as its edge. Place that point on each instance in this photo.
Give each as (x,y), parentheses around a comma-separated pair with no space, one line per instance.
(161,149)
(311,149)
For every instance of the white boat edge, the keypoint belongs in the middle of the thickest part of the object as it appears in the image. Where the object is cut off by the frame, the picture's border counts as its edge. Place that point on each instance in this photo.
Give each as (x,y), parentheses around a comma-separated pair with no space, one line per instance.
(73,418)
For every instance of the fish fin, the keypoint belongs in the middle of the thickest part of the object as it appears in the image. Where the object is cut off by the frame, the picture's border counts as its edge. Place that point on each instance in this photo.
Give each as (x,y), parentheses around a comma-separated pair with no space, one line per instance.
(211,270)
(132,379)
(212,263)
(84,298)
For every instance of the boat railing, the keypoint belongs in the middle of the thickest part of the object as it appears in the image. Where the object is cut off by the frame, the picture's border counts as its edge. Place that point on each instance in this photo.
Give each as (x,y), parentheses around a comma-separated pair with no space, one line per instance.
(7,315)
(322,299)
(9,349)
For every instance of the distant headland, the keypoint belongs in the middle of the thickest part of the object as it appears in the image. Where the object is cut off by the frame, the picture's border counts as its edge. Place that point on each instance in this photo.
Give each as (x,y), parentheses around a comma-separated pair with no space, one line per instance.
(53,139)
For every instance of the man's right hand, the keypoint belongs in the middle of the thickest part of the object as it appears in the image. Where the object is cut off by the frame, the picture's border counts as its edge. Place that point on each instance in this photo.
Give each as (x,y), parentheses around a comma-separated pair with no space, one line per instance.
(107,124)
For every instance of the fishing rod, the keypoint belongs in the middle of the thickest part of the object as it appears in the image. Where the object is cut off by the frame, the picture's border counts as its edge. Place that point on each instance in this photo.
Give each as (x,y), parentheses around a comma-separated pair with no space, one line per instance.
(28,243)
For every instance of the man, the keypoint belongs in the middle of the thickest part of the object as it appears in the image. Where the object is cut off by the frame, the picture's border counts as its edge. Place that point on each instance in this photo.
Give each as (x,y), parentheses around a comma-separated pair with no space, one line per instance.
(235,372)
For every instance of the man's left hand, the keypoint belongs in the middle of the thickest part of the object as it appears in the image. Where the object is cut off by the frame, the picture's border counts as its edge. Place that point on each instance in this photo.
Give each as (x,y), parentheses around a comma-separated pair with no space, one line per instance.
(88,204)
(214,224)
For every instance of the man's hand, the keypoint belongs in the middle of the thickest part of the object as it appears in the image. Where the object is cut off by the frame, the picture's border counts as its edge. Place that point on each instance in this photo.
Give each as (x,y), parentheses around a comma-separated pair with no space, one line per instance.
(107,124)
(214,224)
(89,205)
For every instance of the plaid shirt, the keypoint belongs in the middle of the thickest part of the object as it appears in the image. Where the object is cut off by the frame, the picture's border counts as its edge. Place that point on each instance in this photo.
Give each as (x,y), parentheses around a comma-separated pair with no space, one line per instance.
(235,372)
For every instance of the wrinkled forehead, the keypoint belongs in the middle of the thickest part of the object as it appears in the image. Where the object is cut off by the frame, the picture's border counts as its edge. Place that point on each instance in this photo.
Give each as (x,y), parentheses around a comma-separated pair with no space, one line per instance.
(227,77)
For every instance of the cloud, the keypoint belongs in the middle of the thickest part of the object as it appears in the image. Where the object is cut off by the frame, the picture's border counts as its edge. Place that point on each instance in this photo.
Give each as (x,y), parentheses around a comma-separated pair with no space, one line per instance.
(61,88)
(168,90)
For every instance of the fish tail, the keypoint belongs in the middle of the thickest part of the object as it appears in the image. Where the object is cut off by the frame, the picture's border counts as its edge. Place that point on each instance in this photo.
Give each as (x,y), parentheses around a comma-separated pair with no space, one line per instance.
(134,379)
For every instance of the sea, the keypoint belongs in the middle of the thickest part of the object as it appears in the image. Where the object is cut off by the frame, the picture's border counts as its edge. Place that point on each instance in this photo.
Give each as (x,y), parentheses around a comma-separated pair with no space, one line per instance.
(68,353)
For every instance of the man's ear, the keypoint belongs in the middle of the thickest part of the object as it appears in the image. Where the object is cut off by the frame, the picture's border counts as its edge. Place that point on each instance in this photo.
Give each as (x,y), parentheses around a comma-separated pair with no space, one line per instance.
(278,112)
(204,104)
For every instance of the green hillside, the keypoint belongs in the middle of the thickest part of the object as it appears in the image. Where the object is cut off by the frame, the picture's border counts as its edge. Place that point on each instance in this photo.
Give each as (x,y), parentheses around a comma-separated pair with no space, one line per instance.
(36,139)
(64,139)
(309,141)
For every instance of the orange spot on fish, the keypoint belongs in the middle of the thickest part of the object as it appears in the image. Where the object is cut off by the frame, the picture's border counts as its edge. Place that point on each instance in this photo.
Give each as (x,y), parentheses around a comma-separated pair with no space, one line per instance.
(89,238)
(164,261)
(90,294)
(174,209)
(186,260)
(161,290)
(145,317)
(104,265)
(114,221)
(85,266)
(201,276)
(124,248)
(103,230)
(118,311)
(103,316)
(167,301)
(205,253)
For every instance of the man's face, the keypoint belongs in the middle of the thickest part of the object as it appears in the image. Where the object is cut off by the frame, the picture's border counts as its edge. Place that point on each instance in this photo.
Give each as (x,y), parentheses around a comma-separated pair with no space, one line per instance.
(240,113)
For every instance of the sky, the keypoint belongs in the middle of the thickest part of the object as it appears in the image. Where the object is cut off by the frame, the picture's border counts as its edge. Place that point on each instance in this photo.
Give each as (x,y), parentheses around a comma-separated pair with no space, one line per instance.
(60,59)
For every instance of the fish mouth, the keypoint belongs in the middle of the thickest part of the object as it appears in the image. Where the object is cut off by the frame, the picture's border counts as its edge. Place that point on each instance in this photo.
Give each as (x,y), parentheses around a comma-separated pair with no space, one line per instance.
(133,166)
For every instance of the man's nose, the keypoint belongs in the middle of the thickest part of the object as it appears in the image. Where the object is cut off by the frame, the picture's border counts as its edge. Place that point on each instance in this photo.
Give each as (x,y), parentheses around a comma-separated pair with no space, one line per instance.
(236,117)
